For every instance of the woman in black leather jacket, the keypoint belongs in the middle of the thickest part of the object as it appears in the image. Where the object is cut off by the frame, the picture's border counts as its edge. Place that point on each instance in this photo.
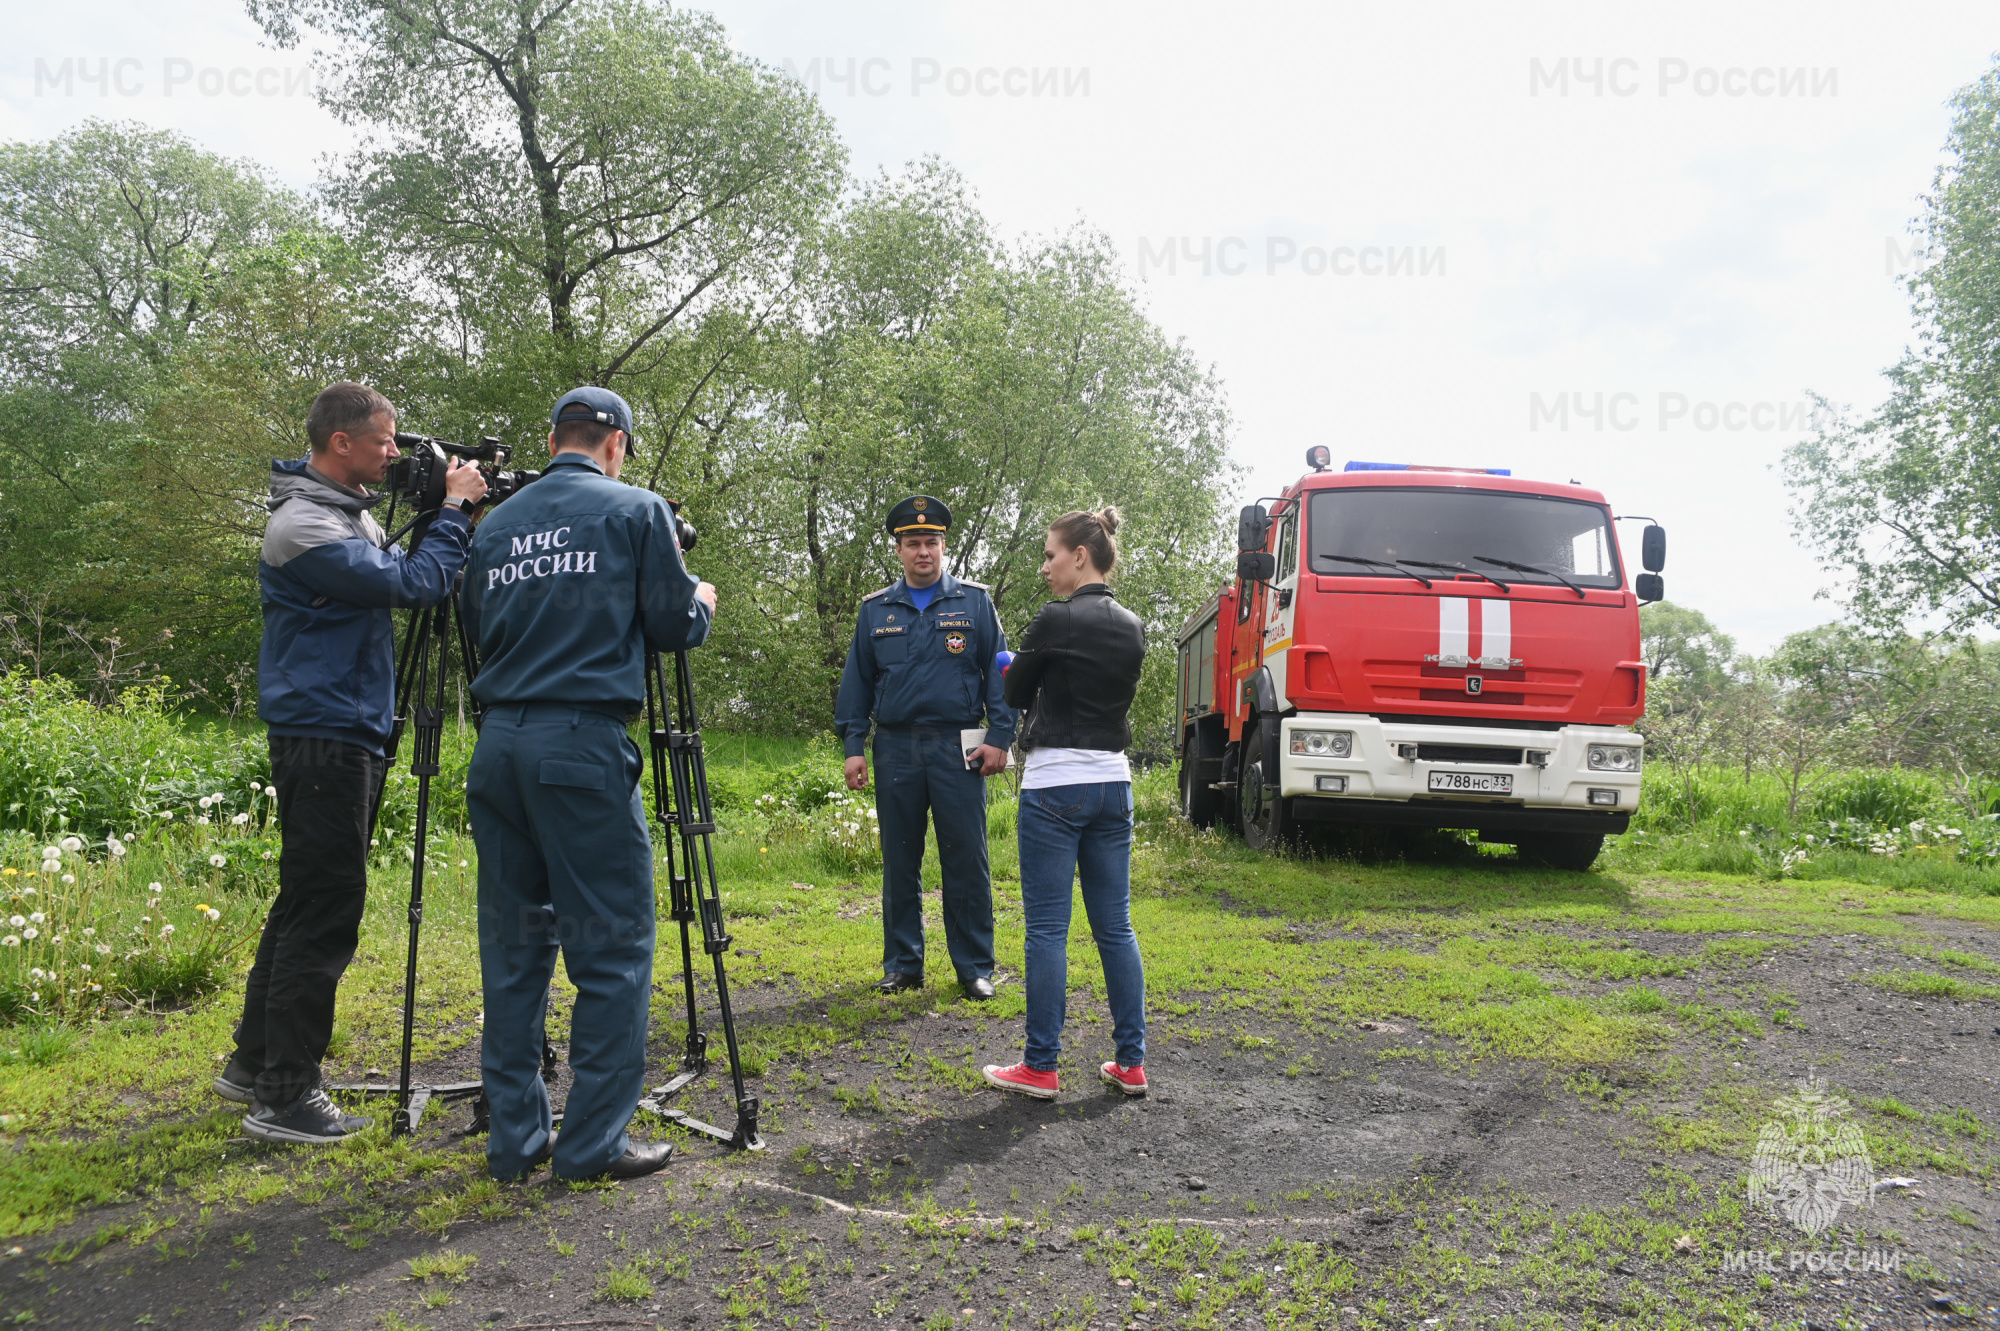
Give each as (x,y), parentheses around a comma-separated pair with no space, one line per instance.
(1076,675)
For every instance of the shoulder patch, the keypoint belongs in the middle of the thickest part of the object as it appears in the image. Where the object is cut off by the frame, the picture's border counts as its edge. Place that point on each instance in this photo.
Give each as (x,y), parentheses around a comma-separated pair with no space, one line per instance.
(299,525)
(879,591)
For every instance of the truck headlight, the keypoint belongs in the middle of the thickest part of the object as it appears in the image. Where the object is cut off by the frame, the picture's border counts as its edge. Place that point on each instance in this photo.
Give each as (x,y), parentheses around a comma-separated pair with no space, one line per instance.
(1323,743)
(1613,758)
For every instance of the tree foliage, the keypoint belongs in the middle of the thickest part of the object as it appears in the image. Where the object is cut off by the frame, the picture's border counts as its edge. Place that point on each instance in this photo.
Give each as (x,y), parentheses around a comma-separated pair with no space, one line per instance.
(555,193)
(1906,502)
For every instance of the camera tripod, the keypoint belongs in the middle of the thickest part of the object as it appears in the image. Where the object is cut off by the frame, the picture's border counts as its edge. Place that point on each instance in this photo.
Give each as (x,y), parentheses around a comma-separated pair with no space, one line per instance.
(420,689)
(681,802)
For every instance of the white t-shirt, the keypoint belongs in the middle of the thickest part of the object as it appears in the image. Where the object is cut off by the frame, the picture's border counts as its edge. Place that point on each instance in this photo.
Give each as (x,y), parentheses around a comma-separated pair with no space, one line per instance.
(1073,767)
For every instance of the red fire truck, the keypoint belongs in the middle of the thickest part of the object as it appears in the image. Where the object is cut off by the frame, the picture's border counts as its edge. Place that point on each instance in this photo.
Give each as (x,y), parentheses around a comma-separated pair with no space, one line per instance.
(1431,647)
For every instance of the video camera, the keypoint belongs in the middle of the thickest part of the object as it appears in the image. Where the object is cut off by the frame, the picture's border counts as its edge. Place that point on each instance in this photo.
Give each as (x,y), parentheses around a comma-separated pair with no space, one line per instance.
(684,533)
(419,474)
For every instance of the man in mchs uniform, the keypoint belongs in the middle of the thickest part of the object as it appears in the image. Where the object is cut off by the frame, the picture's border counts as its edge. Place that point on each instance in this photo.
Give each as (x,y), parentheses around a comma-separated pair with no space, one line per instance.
(922,669)
(570,582)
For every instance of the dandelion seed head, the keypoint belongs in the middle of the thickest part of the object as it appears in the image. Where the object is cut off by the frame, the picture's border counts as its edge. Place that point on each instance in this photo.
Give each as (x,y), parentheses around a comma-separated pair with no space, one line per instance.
(72,844)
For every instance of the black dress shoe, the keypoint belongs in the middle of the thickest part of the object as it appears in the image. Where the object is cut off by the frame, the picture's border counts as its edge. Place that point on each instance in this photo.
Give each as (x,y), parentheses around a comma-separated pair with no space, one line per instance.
(640,1159)
(978,988)
(897,981)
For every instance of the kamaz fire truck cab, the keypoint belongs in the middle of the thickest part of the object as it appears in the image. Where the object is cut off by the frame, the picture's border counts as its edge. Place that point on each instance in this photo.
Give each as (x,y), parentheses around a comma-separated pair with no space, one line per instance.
(1424,647)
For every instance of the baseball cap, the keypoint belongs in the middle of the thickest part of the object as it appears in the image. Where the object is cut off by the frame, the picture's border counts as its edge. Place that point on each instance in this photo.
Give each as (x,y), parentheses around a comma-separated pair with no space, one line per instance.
(591,403)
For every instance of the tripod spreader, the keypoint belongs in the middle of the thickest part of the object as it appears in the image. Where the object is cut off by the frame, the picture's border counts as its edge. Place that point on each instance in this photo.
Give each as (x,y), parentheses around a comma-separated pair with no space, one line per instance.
(681,802)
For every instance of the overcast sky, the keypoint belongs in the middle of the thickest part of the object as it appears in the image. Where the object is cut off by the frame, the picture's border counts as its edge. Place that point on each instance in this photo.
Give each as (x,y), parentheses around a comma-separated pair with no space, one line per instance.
(1614,247)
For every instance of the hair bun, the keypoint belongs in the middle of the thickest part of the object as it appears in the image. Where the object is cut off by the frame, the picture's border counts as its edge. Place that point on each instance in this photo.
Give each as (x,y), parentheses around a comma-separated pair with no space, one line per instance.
(1108,517)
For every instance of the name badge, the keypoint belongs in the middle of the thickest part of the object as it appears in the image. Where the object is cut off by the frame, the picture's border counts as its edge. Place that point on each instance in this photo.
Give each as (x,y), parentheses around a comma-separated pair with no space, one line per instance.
(890,631)
(954,622)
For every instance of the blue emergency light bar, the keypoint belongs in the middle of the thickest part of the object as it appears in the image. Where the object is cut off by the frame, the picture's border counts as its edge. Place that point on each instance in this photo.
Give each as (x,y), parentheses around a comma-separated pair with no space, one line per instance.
(1411,466)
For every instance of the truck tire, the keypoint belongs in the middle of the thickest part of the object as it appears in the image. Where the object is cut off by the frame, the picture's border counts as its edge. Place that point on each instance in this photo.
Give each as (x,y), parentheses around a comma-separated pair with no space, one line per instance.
(1198,802)
(1265,820)
(1570,851)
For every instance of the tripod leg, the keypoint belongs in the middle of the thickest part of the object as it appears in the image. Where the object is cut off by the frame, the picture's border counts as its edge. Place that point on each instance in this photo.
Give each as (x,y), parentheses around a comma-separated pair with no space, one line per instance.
(691,789)
(429,717)
(416,646)
(670,808)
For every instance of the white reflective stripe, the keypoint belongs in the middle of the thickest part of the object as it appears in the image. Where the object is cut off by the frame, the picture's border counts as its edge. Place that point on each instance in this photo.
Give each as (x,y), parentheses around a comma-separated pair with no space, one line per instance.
(1496,632)
(1454,629)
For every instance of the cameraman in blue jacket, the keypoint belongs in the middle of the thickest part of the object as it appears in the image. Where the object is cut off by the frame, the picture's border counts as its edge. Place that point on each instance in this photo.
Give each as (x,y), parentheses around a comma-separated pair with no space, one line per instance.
(326,680)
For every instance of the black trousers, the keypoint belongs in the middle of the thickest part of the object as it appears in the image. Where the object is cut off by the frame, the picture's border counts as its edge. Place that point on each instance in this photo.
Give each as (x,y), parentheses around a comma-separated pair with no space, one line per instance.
(325,791)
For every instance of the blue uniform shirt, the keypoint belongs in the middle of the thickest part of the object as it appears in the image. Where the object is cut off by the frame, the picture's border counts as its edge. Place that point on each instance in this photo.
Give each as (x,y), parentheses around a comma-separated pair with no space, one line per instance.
(570,581)
(931,667)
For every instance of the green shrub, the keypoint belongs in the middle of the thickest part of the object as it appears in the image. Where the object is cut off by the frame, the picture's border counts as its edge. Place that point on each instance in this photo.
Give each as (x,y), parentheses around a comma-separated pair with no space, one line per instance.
(69,766)
(1890,796)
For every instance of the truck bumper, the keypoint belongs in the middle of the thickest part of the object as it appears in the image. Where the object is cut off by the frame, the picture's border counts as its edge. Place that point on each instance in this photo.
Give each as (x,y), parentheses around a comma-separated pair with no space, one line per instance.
(1533,780)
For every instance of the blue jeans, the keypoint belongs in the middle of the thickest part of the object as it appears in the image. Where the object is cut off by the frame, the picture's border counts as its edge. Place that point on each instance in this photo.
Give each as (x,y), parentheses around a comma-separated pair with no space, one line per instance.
(1080,832)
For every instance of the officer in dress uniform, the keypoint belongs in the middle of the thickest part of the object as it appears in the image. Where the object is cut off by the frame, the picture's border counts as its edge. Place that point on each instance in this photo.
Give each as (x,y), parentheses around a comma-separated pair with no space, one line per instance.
(569,583)
(922,668)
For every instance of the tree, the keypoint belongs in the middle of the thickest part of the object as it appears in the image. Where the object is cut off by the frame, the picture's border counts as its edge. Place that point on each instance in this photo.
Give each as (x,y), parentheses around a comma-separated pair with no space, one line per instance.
(1905,503)
(1014,385)
(1683,650)
(613,162)
(114,240)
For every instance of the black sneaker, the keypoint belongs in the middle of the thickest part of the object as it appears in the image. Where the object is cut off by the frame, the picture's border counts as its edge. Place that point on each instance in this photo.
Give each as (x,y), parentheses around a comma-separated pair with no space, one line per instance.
(237,1084)
(313,1120)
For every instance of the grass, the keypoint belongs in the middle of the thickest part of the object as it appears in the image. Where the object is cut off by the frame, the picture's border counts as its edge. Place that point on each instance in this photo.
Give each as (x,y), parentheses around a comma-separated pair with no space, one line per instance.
(1251,953)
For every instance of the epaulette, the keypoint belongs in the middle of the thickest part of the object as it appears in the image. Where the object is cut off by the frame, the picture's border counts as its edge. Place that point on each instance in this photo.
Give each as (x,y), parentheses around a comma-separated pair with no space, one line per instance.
(968,582)
(879,591)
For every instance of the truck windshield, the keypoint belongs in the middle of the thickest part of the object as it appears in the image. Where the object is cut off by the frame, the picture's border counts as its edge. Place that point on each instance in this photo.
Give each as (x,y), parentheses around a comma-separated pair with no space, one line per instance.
(1457,526)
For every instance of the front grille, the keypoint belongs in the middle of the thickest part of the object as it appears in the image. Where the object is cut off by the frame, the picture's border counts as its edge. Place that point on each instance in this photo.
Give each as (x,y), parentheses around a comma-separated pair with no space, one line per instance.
(1467,753)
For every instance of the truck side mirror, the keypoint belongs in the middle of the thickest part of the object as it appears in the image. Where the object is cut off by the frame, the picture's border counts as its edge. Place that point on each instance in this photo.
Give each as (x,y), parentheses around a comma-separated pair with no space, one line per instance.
(1256,566)
(1253,528)
(1650,587)
(1653,549)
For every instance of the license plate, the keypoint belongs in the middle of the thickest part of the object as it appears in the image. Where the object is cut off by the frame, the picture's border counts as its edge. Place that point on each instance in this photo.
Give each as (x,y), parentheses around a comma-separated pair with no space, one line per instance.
(1473,783)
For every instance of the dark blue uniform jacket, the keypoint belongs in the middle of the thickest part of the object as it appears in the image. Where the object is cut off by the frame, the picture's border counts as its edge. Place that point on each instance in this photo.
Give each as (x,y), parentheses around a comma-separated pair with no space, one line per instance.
(930,668)
(570,581)
(327,666)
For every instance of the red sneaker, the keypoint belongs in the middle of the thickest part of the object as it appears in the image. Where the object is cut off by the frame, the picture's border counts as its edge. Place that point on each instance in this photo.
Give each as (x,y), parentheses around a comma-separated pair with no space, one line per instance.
(1020,1077)
(1132,1081)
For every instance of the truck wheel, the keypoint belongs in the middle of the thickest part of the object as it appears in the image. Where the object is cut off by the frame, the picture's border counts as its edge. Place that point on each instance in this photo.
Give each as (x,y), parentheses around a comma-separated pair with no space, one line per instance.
(1572,851)
(1265,820)
(1197,800)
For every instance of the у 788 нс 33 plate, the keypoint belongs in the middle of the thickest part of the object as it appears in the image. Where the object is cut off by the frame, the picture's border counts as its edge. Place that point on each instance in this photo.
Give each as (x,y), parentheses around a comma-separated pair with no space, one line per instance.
(1473,783)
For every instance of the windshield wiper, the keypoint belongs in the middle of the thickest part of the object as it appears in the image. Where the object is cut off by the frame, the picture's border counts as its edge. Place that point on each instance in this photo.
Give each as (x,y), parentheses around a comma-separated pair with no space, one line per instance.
(1457,568)
(1378,563)
(1532,568)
